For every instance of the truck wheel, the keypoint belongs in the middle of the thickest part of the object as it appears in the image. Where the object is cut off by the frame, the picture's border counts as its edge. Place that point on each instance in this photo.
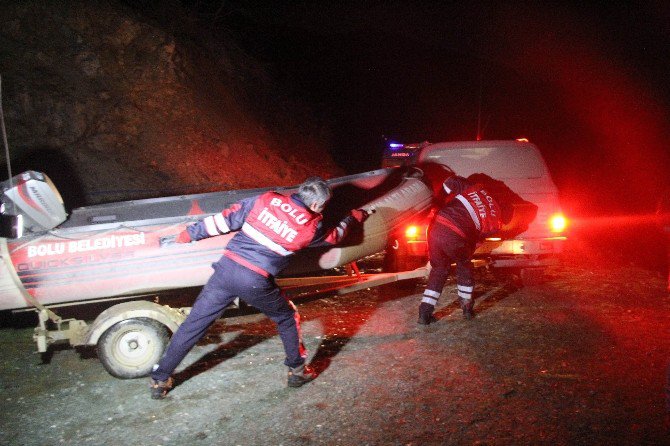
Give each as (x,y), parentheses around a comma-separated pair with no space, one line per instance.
(391,260)
(130,348)
(520,277)
(396,260)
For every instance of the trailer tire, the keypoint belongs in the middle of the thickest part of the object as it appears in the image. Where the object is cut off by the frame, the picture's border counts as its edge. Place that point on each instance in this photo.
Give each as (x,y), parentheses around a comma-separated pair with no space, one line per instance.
(130,348)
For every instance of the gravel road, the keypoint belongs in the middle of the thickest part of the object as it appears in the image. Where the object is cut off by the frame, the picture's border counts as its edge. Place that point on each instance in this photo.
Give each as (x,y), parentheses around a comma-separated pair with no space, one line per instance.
(579,359)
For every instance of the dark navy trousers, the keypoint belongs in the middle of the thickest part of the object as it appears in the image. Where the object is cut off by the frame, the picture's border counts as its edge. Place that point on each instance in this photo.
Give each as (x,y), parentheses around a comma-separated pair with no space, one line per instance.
(446,247)
(231,280)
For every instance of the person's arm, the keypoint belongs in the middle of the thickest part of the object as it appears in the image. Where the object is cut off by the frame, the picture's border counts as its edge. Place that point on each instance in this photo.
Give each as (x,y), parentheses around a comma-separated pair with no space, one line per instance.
(228,220)
(455,185)
(339,232)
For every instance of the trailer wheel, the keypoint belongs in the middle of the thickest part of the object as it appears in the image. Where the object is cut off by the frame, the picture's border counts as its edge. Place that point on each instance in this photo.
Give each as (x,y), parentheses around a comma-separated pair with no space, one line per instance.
(130,348)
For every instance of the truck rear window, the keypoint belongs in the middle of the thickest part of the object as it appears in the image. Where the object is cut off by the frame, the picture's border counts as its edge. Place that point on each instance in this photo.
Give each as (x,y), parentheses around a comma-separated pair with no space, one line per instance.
(508,161)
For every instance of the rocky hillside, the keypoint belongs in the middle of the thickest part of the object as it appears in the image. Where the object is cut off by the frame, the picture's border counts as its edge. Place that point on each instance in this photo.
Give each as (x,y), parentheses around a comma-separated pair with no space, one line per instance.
(112,106)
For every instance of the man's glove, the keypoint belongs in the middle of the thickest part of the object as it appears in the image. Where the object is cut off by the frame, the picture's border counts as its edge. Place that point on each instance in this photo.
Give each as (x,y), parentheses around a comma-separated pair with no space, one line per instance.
(183,237)
(360,215)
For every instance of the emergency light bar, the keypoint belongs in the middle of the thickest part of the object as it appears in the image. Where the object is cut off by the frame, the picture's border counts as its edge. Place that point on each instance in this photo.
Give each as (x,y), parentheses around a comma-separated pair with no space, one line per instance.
(400,154)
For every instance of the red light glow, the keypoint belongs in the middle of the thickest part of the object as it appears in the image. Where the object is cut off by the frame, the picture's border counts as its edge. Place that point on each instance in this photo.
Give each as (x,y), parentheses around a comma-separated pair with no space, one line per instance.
(557,223)
(412,232)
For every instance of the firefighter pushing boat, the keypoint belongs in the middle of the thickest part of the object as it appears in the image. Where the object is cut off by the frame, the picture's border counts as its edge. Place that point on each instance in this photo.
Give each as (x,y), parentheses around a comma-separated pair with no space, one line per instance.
(269,229)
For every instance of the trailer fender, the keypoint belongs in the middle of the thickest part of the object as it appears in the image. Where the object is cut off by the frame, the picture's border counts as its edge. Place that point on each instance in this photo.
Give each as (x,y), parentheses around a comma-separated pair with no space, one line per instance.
(166,315)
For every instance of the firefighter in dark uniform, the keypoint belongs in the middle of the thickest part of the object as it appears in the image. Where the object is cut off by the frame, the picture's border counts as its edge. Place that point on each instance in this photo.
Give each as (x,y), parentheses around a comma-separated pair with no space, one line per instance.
(468,215)
(269,229)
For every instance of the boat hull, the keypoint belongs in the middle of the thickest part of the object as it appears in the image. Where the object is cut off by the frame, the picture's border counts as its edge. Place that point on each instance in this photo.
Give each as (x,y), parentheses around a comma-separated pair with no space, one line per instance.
(82,262)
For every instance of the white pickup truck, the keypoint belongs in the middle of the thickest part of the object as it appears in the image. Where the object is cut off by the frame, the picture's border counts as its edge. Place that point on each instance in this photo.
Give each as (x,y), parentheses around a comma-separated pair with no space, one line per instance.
(514,172)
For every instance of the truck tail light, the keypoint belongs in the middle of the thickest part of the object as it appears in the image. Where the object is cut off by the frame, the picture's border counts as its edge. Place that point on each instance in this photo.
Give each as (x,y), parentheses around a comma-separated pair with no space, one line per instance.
(417,232)
(412,232)
(557,223)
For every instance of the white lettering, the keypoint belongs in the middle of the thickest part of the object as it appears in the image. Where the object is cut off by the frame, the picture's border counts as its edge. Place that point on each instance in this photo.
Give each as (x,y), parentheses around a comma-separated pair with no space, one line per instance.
(281,227)
(276,225)
(111,242)
(264,216)
(491,205)
(286,231)
(47,249)
(94,244)
(478,202)
(301,219)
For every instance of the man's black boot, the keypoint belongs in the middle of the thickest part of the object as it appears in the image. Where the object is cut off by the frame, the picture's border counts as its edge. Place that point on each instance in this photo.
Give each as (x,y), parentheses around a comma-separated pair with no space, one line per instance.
(297,376)
(159,389)
(426,314)
(468,306)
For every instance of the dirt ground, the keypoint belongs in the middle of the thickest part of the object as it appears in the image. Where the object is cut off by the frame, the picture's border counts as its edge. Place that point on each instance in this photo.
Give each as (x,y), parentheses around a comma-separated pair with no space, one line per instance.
(578,360)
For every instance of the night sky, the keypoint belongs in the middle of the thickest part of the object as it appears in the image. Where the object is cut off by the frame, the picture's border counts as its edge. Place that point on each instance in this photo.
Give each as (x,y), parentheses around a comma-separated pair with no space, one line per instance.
(586,83)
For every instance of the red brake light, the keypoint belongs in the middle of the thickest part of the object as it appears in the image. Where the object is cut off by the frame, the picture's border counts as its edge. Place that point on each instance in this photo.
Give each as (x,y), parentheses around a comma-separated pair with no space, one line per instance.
(558,223)
(412,232)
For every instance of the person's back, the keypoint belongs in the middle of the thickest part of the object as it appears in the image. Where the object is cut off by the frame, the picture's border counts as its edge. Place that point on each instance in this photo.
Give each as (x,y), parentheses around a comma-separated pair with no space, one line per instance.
(269,228)
(469,214)
(470,208)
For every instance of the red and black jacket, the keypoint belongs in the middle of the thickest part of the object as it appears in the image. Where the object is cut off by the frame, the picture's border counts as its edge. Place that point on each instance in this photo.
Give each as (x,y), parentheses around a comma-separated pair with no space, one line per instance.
(470,211)
(269,229)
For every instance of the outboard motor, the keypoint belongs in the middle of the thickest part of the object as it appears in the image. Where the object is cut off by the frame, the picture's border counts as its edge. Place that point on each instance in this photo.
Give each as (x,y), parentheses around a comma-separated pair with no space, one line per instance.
(29,203)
